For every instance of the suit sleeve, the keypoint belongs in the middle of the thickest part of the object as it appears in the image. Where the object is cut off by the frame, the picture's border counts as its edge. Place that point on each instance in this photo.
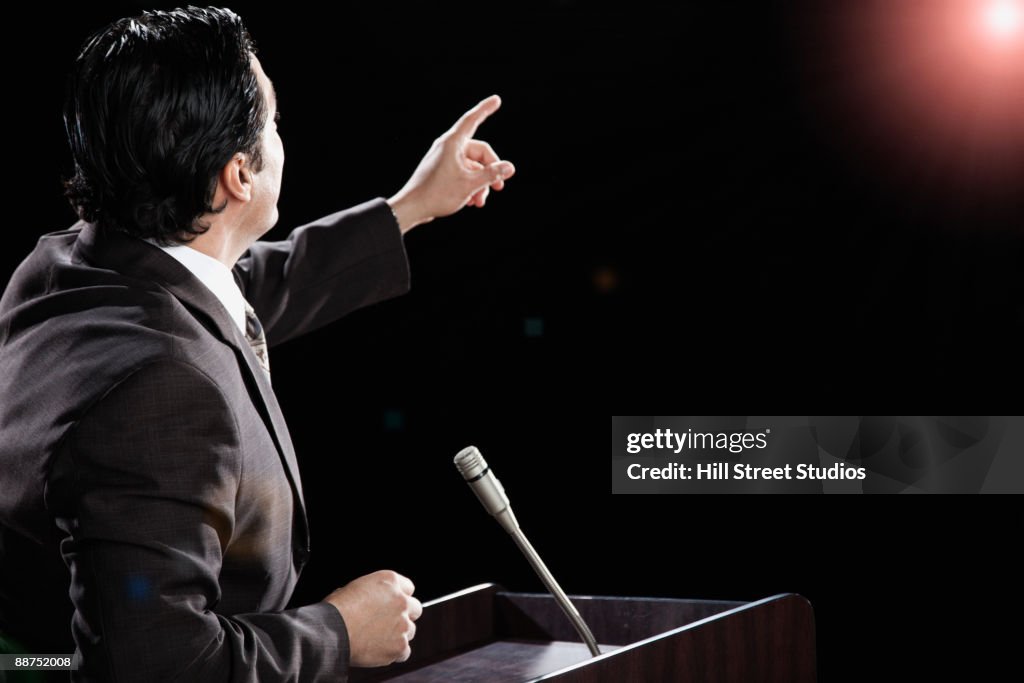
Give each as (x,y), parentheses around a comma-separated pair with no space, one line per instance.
(153,471)
(325,270)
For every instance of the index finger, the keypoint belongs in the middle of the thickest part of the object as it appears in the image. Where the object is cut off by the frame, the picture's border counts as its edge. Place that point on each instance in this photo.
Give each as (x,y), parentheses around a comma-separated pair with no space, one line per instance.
(468,123)
(405,585)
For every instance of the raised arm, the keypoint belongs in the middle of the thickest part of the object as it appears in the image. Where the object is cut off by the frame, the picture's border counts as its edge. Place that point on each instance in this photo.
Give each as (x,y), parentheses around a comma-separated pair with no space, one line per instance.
(324,270)
(356,257)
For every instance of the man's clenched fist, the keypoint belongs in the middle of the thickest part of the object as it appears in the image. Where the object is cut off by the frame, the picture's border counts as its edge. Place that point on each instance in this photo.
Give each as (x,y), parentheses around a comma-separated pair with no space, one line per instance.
(379,613)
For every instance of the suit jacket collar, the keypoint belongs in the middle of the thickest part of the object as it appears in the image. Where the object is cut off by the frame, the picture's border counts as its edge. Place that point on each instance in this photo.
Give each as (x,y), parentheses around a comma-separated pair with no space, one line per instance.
(136,258)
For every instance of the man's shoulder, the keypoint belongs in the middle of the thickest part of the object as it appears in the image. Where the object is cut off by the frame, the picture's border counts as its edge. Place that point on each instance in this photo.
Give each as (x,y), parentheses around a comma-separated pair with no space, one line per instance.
(53,253)
(55,281)
(61,312)
(94,334)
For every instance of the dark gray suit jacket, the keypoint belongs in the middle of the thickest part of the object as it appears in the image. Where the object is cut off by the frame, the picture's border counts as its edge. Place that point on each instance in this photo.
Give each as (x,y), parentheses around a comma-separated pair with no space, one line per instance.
(142,448)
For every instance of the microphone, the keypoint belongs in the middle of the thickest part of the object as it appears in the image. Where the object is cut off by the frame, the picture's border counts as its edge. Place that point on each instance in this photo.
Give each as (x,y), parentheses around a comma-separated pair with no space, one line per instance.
(489,491)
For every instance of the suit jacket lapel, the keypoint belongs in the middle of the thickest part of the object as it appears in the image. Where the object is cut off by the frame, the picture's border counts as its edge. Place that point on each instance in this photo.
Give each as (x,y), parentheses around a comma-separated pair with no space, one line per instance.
(137,258)
(270,409)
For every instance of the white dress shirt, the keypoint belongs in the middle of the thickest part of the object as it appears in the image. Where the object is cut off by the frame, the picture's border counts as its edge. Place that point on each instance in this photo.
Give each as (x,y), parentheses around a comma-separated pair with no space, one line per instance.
(215,275)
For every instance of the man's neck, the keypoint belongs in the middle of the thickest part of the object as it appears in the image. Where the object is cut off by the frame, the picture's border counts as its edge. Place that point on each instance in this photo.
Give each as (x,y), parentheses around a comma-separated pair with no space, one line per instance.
(221,243)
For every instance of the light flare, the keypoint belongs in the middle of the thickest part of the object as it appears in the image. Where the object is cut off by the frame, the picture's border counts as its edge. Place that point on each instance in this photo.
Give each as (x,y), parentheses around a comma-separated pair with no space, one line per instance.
(930,92)
(1003,19)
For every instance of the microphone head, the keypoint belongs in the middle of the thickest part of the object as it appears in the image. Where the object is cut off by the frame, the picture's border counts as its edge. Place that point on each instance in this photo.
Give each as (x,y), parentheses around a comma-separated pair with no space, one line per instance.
(486,486)
(470,463)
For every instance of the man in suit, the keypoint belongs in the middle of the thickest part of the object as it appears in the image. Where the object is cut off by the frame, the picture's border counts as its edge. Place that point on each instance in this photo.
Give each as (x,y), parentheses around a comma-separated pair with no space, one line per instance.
(146,471)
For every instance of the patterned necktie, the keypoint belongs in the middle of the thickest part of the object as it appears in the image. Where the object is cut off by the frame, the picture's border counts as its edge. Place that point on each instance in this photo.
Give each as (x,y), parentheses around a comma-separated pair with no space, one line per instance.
(257,340)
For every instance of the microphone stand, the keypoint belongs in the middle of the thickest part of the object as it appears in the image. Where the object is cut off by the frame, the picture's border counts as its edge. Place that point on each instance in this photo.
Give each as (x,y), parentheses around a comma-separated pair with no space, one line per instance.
(491,493)
(560,597)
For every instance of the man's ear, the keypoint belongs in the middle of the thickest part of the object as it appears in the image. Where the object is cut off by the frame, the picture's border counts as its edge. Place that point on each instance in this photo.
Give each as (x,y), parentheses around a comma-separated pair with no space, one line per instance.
(236,178)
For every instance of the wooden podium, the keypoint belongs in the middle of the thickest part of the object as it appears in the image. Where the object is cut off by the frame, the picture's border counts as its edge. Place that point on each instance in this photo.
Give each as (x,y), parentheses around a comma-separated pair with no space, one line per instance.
(485,634)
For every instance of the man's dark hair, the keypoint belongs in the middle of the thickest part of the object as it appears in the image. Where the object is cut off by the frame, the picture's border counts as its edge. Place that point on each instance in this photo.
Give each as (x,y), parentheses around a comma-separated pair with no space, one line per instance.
(155,106)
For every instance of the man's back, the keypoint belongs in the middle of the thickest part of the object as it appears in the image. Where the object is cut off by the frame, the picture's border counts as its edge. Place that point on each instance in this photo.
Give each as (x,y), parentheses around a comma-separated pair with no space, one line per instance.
(140,440)
(143,447)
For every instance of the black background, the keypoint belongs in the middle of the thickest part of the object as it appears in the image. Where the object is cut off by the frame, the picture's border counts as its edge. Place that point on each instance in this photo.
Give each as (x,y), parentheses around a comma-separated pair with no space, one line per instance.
(693,229)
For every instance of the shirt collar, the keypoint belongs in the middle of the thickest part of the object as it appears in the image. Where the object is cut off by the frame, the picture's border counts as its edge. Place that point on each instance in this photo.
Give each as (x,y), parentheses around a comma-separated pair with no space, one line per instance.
(217,277)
